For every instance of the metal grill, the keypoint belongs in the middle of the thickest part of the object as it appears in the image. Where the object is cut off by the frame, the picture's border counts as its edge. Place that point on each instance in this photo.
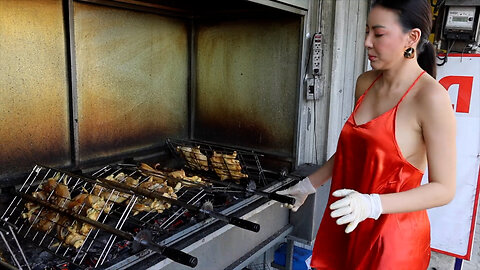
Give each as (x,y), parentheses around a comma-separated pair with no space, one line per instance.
(161,222)
(44,226)
(215,161)
(46,218)
(93,220)
(15,250)
(225,162)
(48,213)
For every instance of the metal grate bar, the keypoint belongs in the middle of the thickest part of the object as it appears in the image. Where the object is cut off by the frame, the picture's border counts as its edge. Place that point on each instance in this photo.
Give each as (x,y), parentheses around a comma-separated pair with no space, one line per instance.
(120,224)
(11,251)
(173,218)
(19,247)
(50,221)
(249,160)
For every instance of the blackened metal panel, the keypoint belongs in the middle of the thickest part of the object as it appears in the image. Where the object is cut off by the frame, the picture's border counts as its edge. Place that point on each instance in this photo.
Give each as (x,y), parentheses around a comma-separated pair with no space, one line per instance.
(247,79)
(34,121)
(132,75)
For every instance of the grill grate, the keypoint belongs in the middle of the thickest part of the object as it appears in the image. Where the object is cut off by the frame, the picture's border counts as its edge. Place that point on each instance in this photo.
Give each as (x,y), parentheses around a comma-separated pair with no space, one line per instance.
(54,211)
(159,221)
(16,253)
(52,231)
(119,227)
(235,165)
(220,161)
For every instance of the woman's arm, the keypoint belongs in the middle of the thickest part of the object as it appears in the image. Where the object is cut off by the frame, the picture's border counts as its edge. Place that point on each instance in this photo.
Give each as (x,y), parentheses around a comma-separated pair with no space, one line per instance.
(308,185)
(437,121)
(322,175)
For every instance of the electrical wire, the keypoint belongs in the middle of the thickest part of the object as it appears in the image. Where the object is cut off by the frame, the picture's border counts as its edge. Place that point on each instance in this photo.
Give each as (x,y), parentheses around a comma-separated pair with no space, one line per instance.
(315,130)
(463,51)
(445,58)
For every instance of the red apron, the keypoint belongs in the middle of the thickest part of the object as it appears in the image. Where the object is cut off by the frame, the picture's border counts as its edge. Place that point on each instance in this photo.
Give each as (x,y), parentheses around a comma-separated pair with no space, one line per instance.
(369,160)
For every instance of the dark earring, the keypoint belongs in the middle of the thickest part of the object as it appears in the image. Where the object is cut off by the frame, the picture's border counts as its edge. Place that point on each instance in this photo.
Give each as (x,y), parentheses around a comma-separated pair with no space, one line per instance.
(409,53)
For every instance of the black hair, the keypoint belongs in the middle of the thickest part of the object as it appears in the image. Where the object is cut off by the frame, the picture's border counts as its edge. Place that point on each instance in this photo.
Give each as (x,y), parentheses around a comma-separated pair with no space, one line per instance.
(416,14)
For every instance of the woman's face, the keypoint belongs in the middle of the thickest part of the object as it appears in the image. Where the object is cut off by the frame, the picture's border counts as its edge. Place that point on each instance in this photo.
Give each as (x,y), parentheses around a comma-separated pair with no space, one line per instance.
(385,40)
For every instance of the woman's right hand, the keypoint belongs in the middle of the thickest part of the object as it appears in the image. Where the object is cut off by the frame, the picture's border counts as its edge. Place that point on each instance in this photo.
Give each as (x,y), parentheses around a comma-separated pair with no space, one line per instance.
(300,192)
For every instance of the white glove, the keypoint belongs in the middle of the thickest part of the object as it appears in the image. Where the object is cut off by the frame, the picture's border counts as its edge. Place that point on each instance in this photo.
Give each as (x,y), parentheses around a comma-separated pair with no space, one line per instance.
(355,207)
(300,192)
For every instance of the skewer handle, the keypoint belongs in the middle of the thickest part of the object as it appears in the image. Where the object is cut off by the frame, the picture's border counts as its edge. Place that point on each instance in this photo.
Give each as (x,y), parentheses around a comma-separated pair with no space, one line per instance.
(281,198)
(180,256)
(245,224)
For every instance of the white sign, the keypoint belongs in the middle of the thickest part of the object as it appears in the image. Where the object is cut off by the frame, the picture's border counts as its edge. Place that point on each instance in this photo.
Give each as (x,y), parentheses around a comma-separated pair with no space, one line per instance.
(453,225)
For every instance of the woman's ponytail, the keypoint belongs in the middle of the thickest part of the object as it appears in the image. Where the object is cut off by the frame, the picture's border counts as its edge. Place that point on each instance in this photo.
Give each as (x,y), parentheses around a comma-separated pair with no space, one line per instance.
(426,59)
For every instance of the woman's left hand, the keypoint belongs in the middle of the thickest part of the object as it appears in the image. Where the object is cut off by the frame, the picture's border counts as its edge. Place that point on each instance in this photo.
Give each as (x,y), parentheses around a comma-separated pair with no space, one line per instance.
(355,207)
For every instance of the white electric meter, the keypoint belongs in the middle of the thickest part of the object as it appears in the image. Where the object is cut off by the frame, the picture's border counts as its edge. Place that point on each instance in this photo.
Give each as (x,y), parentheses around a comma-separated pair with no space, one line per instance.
(460,18)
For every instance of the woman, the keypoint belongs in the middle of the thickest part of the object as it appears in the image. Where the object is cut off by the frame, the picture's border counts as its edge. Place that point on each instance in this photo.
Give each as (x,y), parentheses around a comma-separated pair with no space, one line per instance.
(402,118)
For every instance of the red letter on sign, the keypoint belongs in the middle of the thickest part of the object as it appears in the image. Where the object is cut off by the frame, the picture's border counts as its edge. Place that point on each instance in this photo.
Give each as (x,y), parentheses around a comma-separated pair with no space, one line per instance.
(465,84)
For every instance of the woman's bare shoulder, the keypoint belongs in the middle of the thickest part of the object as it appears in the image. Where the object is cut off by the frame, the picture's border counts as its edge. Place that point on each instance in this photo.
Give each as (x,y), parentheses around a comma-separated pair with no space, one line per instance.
(432,99)
(364,81)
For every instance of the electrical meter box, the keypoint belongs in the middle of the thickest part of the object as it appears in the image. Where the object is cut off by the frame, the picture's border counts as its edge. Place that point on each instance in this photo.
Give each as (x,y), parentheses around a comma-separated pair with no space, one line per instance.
(461,20)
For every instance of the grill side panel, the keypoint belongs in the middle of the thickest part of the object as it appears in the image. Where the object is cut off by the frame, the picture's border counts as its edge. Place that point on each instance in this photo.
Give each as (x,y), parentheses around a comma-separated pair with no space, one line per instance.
(33,86)
(132,75)
(246,72)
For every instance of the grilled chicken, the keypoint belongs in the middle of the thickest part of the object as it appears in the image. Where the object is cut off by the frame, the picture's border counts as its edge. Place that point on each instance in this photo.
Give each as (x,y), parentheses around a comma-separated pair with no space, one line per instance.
(61,194)
(160,186)
(56,193)
(74,232)
(194,157)
(109,195)
(87,201)
(227,166)
(147,205)
(71,232)
(117,197)
(74,238)
(42,221)
(180,174)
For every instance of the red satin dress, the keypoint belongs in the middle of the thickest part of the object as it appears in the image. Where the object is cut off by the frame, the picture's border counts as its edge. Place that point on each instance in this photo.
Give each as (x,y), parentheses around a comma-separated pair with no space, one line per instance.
(369,160)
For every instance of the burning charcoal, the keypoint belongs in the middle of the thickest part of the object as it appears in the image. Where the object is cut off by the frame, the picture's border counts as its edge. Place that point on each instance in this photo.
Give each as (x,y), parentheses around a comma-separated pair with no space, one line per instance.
(42,260)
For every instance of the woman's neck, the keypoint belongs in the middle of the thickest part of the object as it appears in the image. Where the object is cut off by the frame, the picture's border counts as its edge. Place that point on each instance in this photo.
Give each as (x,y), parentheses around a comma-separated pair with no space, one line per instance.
(403,73)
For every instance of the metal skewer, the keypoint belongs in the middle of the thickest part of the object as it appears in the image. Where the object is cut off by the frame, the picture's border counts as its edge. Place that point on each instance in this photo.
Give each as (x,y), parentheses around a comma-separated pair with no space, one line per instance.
(111,184)
(245,224)
(171,253)
(271,195)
